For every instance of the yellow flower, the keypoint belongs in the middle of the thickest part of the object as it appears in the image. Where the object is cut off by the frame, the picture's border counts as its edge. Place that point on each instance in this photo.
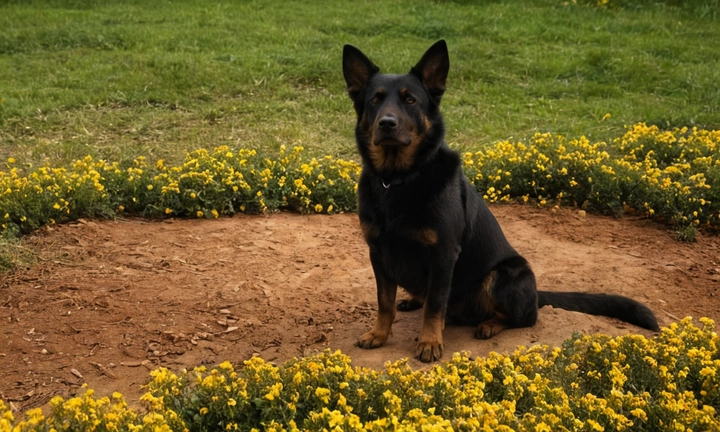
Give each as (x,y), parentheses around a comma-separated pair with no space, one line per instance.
(639,413)
(323,394)
(542,427)
(595,425)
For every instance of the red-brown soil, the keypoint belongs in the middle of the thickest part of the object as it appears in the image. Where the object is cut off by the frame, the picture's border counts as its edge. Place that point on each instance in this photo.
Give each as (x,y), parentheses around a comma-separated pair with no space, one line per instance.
(111,300)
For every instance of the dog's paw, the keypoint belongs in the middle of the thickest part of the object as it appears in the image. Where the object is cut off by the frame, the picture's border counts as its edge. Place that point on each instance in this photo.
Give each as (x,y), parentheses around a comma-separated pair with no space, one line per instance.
(371,340)
(429,352)
(484,331)
(408,305)
(488,329)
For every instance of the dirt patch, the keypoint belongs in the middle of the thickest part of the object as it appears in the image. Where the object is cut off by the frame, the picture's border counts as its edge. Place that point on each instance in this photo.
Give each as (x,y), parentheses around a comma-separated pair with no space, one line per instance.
(113,300)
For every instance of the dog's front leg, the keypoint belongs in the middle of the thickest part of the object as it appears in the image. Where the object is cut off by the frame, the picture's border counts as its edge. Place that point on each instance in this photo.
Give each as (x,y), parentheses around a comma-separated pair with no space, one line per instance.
(430,342)
(386,293)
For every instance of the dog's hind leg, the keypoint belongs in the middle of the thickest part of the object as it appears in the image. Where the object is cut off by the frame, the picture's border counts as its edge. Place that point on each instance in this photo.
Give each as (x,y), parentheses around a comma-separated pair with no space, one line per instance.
(407,305)
(489,328)
(509,295)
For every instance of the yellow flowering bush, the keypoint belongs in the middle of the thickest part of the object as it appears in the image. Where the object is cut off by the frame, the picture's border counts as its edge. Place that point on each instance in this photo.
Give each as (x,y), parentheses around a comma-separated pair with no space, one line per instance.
(88,413)
(671,176)
(48,194)
(208,184)
(590,383)
(668,175)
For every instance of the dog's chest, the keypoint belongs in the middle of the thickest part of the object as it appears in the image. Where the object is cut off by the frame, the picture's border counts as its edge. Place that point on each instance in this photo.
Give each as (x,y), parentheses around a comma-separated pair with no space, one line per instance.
(406,262)
(407,248)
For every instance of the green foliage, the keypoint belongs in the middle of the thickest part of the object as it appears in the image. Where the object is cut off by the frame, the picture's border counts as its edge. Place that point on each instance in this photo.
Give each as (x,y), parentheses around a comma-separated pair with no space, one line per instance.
(703,8)
(668,383)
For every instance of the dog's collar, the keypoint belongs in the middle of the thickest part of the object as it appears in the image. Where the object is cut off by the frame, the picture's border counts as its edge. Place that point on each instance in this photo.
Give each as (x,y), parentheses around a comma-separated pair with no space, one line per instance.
(394,182)
(398,180)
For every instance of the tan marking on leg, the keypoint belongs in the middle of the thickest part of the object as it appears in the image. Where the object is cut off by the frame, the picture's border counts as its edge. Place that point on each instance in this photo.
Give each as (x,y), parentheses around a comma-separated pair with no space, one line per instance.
(430,343)
(379,334)
(493,326)
(386,315)
(485,297)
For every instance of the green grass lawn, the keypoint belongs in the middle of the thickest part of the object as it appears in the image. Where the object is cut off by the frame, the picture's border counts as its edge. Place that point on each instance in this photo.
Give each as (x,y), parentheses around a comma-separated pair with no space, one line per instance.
(127,78)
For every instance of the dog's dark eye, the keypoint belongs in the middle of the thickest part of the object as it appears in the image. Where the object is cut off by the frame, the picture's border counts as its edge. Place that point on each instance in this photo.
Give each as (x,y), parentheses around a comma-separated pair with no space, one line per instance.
(374,101)
(410,101)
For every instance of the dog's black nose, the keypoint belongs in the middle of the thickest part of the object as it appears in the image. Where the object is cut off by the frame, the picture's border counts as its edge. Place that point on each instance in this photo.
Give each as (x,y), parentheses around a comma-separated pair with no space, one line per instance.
(388,121)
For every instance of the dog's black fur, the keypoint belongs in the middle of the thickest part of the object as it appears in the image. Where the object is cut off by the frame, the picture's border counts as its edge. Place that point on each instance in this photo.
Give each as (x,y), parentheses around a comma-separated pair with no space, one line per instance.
(428,230)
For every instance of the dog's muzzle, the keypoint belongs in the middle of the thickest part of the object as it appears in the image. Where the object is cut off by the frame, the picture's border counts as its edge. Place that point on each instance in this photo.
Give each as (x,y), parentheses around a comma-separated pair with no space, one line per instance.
(388,133)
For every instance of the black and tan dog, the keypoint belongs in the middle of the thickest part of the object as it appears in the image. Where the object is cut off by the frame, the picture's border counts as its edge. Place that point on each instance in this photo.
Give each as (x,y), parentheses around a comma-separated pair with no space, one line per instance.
(428,230)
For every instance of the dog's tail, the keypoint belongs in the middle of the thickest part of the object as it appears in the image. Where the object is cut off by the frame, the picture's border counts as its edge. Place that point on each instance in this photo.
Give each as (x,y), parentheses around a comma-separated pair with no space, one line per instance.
(609,305)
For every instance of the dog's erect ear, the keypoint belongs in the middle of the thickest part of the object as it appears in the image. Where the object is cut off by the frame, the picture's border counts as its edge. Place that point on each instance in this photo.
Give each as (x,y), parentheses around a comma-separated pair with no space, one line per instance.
(433,68)
(357,69)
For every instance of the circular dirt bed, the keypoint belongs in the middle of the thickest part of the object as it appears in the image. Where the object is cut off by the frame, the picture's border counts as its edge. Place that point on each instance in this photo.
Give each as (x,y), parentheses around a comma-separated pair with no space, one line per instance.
(112,300)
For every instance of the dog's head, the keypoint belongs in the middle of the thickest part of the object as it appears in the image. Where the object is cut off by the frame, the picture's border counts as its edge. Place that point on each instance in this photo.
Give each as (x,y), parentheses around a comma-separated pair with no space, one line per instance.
(399,121)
